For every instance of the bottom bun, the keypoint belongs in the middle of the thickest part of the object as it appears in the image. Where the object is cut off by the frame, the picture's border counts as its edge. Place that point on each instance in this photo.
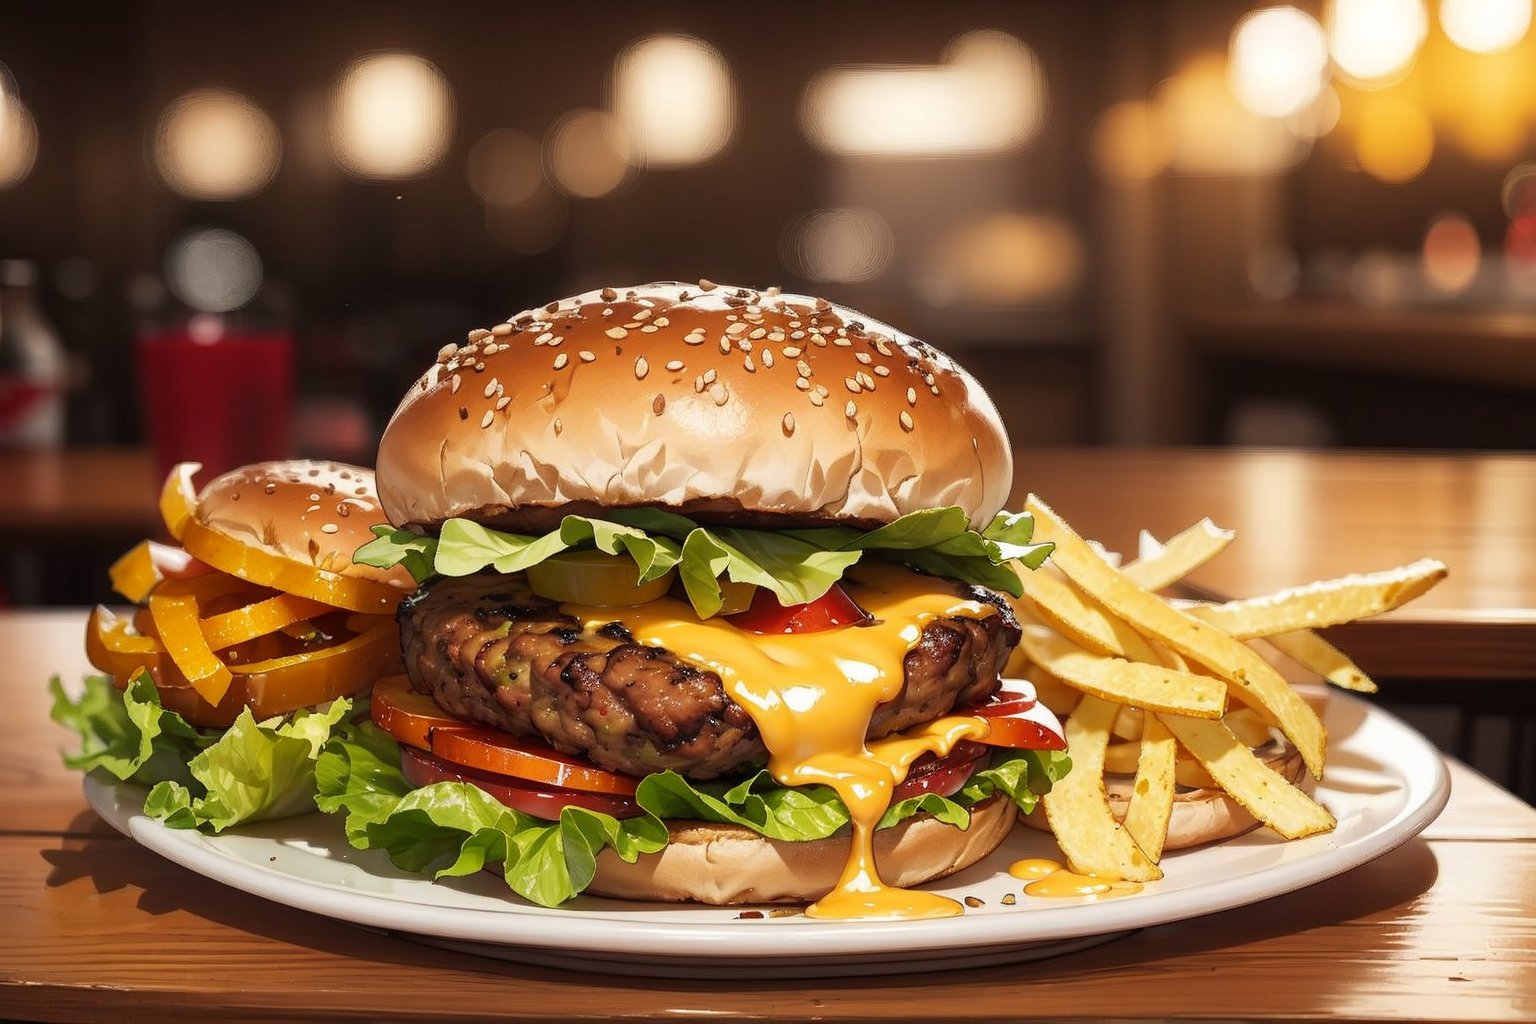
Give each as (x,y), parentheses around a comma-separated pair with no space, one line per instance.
(729,864)
(1200,816)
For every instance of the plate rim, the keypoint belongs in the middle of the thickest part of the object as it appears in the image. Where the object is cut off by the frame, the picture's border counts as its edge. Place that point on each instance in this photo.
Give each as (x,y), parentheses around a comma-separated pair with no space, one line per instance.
(1419,771)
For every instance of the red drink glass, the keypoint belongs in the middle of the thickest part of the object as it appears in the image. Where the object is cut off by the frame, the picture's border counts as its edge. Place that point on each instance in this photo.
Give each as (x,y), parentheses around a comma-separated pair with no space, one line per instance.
(216,394)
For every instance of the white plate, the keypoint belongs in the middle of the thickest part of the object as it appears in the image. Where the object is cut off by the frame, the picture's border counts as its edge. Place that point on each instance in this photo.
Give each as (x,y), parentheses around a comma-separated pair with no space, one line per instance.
(1384,783)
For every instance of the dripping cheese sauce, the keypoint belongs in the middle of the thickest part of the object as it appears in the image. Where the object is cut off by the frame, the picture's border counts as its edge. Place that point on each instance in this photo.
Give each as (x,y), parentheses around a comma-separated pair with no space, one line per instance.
(812,695)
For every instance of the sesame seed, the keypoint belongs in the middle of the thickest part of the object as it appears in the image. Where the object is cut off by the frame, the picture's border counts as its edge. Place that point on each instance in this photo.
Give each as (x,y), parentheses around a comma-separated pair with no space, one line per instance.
(882,371)
(864,357)
(478,334)
(853,385)
(662,321)
(974,901)
(748,365)
(503,402)
(818,341)
(485,420)
(608,294)
(768,357)
(791,352)
(796,335)
(803,368)
(586,356)
(674,365)
(632,325)
(865,380)
(744,345)
(817,399)
(561,360)
(709,376)
(698,384)
(906,420)
(775,335)
(658,404)
(789,424)
(616,333)
(270,488)
(644,314)
(737,328)
(911,396)
(641,368)
(490,389)
(821,389)
(802,384)
(851,409)
(329,528)
(315,496)
(934,389)
(453,384)
(725,345)
(545,338)
(706,285)
(758,333)
(719,394)
(694,339)
(649,329)
(557,342)
(446,351)
(501,330)
(608,311)
(881,346)
(312,508)
(842,342)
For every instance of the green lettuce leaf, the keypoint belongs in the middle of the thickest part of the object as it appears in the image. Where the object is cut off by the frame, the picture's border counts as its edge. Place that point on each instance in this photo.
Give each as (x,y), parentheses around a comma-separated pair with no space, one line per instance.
(796,565)
(454,828)
(208,779)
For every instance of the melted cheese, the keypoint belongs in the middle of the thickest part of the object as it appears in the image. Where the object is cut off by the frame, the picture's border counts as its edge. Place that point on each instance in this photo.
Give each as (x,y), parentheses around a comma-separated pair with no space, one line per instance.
(1051,879)
(812,696)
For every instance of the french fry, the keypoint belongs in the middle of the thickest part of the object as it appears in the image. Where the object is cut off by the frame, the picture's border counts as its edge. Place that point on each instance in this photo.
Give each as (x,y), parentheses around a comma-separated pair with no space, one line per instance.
(1146,819)
(1257,680)
(1077,808)
(1315,654)
(1129,682)
(1162,564)
(1259,789)
(1324,603)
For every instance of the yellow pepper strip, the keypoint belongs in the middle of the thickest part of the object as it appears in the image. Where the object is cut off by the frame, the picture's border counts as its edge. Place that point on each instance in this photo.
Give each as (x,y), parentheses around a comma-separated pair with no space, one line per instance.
(134,575)
(112,649)
(176,621)
(215,586)
(300,680)
(178,499)
(259,619)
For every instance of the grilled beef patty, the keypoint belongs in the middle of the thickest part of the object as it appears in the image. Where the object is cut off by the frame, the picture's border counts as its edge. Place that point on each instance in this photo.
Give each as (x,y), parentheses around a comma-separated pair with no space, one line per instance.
(488,649)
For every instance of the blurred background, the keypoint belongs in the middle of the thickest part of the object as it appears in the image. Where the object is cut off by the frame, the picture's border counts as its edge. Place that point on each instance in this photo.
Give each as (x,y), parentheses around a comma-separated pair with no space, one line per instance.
(1185,221)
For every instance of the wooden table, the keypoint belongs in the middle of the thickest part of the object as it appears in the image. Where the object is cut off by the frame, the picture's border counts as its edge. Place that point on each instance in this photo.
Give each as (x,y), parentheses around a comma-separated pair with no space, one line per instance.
(97,928)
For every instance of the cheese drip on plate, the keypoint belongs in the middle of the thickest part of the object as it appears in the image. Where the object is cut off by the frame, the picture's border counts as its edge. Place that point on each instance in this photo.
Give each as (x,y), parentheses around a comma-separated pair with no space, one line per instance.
(812,696)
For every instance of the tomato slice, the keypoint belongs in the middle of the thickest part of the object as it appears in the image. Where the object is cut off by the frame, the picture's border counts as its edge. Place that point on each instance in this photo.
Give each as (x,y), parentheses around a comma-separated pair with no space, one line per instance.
(941,775)
(1017,719)
(830,610)
(546,802)
(415,720)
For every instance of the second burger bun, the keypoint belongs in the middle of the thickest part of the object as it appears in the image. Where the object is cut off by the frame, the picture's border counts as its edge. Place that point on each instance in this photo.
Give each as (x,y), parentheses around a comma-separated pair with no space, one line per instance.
(729,864)
(720,403)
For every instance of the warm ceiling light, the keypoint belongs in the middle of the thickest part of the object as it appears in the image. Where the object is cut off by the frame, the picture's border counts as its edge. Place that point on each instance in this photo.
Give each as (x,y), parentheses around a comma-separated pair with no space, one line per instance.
(674,99)
(216,144)
(1374,41)
(1211,133)
(1393,140)
(1485,26)
(391,116)
(1451,255)
(506,167)
(18,139)
(987,96)
(1005,261)
(1278,61)
(587,154)
(1130,142)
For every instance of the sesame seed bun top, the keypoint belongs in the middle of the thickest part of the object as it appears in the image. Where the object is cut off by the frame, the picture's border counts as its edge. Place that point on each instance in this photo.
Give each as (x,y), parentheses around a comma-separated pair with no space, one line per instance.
(723,403)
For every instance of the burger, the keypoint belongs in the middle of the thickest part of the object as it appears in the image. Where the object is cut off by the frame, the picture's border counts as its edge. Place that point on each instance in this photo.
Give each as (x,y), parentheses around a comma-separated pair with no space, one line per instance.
(708,611)
(249,634)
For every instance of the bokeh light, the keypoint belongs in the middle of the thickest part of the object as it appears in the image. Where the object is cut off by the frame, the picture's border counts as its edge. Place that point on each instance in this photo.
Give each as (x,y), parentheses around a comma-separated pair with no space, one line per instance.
(213,270)
(391,116)
(673,96)
(844,245)
(506,167)
(1518,193)
(1212,133)
(1374,41)
(1274,272)
(587,155)
(1006,261)
(1452,254)
(987,96)
(1130,143)
(1393,139)
(216,144)
(1279,61)
(18,138)
(1485,26)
